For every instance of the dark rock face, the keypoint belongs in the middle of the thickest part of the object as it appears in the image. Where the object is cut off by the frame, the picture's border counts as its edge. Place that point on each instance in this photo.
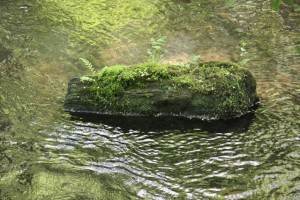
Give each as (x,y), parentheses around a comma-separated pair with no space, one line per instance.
(79,99)
(4,53)
(208,91)
(4,125)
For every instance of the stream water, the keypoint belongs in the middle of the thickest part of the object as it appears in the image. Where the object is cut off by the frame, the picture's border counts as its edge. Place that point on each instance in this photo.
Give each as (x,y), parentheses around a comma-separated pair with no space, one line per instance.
(48,154)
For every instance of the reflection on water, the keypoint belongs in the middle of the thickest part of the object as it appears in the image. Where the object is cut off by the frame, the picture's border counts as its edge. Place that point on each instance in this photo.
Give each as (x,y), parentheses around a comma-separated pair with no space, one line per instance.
(47,154)
(162,123)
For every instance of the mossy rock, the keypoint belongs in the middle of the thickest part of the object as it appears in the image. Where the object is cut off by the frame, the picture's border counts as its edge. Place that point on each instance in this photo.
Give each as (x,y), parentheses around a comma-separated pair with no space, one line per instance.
(213,90)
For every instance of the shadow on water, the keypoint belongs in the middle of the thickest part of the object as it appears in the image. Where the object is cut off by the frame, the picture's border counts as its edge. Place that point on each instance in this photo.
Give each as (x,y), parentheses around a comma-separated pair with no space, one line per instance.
(162,123)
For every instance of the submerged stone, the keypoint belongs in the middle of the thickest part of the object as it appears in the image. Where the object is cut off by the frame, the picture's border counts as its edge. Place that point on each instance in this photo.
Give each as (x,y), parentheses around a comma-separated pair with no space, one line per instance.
(213,90)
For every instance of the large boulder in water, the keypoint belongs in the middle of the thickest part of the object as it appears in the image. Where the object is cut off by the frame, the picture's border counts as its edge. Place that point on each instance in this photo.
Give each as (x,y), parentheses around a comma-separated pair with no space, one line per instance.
(213,90)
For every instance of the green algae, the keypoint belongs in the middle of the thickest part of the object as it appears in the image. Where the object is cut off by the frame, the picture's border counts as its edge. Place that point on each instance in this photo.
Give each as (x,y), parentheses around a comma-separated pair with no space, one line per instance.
(212,90)
(52,182)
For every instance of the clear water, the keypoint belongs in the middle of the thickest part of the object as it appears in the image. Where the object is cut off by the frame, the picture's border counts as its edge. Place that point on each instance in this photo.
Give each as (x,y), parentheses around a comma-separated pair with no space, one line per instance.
(47,154)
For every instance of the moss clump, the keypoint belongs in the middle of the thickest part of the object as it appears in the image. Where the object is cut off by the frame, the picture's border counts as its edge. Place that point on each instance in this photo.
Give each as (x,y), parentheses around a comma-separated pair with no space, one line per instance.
(111,82)
(226,89)
(213,90)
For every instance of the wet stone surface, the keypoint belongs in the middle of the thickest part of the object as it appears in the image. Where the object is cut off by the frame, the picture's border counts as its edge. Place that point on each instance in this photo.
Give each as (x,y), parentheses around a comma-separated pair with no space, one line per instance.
(214,90)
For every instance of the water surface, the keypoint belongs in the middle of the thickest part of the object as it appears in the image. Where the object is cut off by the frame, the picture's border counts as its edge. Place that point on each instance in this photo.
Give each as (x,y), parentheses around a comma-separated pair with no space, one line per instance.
(48,154)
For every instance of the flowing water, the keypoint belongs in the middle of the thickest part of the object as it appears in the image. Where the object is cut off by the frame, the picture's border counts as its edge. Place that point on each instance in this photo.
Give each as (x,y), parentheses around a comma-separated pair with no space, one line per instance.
(48,154)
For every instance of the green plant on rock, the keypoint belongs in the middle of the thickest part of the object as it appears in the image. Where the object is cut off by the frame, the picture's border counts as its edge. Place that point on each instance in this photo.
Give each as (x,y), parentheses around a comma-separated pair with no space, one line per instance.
(156,52)
(244,52)
(192,62)
(88,65)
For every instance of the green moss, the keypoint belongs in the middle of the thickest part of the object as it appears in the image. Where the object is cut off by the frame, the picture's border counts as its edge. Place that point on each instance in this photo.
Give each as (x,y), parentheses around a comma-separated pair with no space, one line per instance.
(111,82)
(217,89)
(227,85)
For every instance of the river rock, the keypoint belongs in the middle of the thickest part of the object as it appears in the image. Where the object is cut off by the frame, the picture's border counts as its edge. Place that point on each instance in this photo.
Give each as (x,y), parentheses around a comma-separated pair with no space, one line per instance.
(212,90)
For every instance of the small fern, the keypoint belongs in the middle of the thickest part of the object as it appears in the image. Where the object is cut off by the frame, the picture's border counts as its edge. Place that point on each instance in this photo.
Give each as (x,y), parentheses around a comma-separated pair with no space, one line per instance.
(156,52)
(192,62)
(88,65)
(194,59)
(243,62)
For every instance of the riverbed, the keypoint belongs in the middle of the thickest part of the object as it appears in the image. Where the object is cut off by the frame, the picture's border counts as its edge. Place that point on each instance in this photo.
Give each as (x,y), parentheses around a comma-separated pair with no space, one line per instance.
(48,154)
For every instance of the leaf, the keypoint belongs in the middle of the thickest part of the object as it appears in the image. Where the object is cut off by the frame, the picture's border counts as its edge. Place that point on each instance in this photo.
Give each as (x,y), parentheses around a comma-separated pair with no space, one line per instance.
(2,97)
(243,49)
(6,111)
(194,59)
(88,64)
(276,4)
(297,9)
(244,61)
(229,3)
(298,49)
(290,2)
